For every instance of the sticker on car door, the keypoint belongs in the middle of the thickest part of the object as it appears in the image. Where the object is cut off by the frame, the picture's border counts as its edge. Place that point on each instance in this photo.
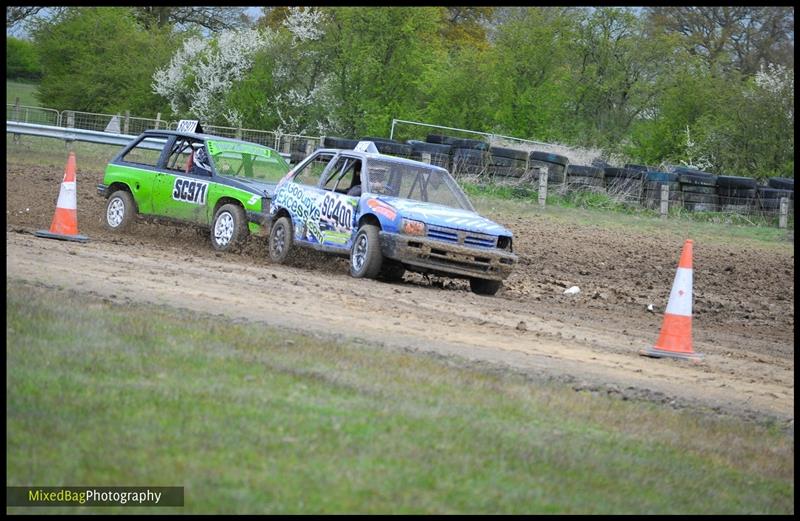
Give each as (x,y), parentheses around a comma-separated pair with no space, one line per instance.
(190,190)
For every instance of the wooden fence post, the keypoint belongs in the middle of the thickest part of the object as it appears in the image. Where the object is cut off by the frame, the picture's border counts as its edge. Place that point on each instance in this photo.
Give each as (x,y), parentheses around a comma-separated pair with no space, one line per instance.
(664,200)
(158,120)
(784,213)
(543,188)
(16,117)
(426,157)
(127,121)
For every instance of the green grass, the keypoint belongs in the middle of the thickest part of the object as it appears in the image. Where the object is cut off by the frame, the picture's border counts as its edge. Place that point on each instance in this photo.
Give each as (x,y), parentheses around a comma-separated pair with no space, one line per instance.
(48,152)
(25,91)
(254,419)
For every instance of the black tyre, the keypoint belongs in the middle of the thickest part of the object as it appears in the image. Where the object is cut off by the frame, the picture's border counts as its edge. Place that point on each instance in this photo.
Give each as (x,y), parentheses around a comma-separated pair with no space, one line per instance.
(661,177)
(473,144)
(584,171)
(697,178)
(697,189)
(485,287)
(440,139)
(781,183)
(774,193)
(741,183)
(281,237)
(393,149)
(392,271)
(691,197)
(631,166)
(548,157)
(509,153)
(622,173)
(120,210)
(366,258)
(420,147)
(229,228)
(338,142)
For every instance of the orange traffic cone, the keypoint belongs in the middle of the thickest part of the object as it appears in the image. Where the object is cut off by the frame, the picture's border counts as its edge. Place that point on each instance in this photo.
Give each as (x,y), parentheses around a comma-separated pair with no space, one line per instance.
(675,339)
(65,220)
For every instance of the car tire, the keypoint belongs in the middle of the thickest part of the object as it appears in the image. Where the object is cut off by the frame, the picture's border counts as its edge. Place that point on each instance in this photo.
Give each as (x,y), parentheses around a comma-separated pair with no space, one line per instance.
(484,286)
(120,210)
(366,258)
(229,228)
(281,237)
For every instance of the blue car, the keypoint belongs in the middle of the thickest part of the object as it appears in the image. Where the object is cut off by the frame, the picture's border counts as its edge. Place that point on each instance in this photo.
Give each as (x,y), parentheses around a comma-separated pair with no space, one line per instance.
(388,215)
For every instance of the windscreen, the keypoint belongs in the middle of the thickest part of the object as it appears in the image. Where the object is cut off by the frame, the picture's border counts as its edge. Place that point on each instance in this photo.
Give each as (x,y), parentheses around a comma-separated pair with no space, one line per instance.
(420,183)
(247,160)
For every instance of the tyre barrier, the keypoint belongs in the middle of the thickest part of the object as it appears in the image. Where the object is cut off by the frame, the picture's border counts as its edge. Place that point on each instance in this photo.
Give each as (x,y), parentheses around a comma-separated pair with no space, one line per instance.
(651,189)
(623,182)
(585,178)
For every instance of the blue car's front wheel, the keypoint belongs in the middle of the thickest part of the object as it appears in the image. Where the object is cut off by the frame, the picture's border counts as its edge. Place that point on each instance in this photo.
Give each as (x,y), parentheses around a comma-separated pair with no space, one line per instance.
(365,254)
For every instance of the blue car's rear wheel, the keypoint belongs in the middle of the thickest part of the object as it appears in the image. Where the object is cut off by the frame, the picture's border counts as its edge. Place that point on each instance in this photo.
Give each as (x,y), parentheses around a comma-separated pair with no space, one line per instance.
(365,254)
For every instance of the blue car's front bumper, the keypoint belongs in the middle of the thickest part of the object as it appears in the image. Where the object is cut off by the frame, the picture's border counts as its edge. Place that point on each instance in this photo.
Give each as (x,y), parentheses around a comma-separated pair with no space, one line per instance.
(429,255)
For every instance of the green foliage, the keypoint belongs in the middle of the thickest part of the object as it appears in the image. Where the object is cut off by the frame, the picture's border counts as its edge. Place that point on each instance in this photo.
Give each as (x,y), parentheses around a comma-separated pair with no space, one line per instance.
(634,82)
(99,59)
(22,61)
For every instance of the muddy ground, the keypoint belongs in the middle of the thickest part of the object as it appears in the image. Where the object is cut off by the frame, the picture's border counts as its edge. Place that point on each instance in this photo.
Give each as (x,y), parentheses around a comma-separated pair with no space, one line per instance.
(743,308)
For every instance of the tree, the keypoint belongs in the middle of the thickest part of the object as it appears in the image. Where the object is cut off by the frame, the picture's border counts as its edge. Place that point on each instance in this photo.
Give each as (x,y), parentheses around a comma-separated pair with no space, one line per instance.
(185,17)
(99,59)
(22,61)
(18,14)
(745,38)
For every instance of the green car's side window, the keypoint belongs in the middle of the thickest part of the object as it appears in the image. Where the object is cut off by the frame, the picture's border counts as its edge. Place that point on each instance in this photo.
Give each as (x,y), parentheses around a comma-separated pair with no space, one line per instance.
(146,152)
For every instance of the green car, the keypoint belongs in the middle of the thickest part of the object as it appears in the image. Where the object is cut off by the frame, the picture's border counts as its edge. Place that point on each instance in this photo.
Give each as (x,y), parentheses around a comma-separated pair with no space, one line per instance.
(189,178)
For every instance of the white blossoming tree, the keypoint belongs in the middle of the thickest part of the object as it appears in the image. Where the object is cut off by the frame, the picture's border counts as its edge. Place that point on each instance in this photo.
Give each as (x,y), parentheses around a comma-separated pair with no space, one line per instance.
(201,74)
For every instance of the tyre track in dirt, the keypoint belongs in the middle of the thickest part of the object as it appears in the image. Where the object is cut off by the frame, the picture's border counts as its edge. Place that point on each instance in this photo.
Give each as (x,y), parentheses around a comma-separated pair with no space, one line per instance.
(591,340)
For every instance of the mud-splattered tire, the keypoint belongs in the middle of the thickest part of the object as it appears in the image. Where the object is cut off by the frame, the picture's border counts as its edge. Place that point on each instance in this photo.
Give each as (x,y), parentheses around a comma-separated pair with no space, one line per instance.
(280,240)
(485,287)
(229,228)
(120,211)
(366,258)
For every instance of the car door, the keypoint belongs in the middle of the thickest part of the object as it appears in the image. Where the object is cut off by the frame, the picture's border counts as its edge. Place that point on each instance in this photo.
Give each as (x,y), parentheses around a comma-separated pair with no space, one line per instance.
(301,196)
(182,184)
(337,207)
(138,167)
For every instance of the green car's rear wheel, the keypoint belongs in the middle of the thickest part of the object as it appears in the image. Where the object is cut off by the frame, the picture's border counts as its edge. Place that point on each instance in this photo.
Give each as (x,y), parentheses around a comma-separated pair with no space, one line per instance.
(120,210)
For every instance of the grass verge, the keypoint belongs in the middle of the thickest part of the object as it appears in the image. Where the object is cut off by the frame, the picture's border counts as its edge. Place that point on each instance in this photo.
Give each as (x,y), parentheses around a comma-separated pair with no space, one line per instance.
(254,419)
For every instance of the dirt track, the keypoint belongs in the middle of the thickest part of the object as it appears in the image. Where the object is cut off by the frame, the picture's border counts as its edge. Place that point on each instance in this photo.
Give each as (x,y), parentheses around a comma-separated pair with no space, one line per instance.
(744,299)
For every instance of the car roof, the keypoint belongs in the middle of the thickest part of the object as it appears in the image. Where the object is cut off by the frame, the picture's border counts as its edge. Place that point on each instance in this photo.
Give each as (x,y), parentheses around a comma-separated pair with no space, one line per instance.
(199,136)
(382,157)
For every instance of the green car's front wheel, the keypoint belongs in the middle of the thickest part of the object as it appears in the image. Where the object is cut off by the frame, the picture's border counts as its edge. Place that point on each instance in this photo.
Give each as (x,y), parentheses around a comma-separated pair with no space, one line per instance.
(229,228)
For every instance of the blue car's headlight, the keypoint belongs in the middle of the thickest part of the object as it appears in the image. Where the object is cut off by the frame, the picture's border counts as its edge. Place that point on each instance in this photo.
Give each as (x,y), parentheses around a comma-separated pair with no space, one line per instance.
(411,227)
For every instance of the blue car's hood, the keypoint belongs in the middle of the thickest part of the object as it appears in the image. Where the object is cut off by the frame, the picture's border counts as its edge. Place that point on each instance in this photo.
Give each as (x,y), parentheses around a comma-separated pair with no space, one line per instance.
(439,215)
